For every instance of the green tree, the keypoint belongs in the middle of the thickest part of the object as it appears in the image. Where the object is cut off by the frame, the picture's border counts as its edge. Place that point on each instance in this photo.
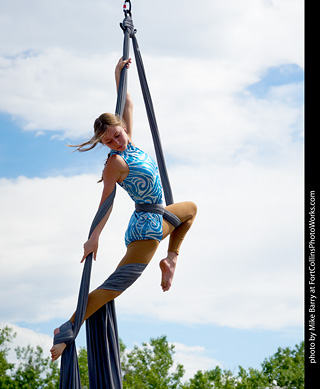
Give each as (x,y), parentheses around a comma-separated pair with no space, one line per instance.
(151,366)
(251,379)
(34,370)
(286,367)
(215,378)
(200,380)
(6,368)
(83,367)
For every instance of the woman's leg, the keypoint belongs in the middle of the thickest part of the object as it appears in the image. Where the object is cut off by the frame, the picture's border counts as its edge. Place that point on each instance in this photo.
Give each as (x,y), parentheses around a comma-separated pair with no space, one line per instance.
(186,211)
(140,251)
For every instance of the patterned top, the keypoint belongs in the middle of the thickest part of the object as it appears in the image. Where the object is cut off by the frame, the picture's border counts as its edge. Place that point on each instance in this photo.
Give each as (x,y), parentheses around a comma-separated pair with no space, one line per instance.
(144,187)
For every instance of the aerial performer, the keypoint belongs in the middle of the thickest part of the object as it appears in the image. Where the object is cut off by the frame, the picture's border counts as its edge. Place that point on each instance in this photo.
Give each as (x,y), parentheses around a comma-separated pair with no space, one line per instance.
(137,173)
(151,222)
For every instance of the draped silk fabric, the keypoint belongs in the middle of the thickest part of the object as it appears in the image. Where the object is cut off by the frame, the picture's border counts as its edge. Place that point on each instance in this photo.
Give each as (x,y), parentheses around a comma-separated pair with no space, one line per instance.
(101,328)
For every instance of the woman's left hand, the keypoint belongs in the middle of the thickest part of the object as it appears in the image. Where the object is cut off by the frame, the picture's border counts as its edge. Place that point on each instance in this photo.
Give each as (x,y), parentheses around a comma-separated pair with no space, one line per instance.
(91,246)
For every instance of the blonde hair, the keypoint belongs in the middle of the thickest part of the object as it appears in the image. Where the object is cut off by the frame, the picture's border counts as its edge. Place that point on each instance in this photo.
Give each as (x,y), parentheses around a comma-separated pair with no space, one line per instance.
(100,128)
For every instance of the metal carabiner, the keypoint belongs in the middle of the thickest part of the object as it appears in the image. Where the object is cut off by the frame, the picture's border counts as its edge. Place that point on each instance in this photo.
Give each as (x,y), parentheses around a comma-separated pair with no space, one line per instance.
(127,11)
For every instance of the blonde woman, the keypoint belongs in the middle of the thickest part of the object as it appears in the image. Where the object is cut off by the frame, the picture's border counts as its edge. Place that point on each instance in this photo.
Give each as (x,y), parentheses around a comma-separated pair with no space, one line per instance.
(136,172)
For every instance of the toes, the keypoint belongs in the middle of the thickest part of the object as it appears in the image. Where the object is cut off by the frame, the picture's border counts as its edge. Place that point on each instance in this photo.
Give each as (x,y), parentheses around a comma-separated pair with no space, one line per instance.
(165,286)
(56,352)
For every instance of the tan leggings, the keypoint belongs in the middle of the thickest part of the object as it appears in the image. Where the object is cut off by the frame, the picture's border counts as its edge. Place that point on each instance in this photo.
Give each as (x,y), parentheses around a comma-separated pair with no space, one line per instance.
(142,251)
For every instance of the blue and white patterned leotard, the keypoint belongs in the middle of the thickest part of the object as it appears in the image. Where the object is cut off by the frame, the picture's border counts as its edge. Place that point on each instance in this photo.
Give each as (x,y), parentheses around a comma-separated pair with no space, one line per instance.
(144,186)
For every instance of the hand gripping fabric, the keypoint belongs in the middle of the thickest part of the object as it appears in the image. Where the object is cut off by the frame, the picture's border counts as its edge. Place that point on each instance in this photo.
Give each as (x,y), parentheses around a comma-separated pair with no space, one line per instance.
(101,328)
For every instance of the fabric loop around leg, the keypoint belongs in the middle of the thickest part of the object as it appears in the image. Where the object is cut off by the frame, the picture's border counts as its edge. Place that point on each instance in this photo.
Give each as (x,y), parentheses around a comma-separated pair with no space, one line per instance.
(123,277)
(66,334)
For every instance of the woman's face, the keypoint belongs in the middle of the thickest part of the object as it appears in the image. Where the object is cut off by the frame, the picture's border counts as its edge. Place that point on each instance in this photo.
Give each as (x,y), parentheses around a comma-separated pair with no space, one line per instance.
(116,138)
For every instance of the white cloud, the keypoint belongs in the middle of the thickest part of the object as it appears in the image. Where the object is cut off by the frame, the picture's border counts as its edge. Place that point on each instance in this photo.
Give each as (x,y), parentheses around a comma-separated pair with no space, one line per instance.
(241,265)
(63,83)
(204,118)
(51,90)
(259,32)
(47,222)
(193,358)
(76,25)
(251,29)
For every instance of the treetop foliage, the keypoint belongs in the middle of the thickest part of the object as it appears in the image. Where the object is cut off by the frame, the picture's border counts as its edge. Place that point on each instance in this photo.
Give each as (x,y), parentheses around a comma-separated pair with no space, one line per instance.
(151,366)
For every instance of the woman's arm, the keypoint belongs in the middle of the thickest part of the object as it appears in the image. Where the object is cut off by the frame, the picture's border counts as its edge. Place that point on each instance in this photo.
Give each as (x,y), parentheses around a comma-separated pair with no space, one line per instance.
(111,174)
(128,108)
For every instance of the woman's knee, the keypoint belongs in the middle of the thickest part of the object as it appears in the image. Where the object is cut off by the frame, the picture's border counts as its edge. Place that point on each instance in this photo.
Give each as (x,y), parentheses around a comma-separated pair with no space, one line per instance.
(192,207)
(185,210)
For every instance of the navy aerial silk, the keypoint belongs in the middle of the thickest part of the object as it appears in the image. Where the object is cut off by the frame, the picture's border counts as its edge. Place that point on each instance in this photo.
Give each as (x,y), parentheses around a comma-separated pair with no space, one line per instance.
(101,328)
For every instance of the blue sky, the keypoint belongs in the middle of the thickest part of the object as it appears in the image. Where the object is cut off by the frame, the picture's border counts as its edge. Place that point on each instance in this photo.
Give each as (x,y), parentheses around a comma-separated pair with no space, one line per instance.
(228,94)
(23,153)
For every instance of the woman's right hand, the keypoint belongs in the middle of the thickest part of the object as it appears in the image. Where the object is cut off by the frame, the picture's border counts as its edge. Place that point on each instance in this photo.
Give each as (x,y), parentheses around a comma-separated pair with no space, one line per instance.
(120,65)
(91,246)
(128,109)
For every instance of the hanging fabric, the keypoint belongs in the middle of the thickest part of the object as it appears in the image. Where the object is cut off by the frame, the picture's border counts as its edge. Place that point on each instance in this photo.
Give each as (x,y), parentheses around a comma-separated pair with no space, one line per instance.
(101,328)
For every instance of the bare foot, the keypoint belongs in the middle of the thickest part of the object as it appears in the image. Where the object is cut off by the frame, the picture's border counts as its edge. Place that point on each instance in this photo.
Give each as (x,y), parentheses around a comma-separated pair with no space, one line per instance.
(168,266)
(57,349)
